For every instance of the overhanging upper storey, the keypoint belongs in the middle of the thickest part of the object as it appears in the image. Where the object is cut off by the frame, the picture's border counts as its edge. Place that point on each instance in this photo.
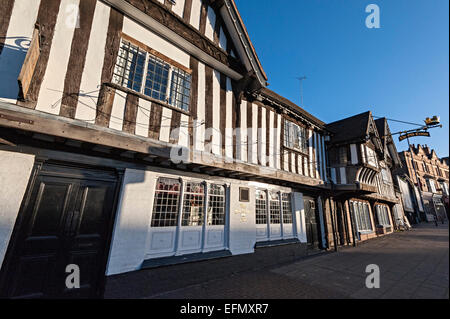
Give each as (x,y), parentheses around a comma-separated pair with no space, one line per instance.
(241,39)
(198,34)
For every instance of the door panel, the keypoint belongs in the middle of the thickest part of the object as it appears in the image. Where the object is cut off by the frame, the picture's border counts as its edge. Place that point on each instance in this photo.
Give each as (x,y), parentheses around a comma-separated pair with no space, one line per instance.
(311,219)
(288,231)
(65,221)
(190,239)
(162,242)
(214,238)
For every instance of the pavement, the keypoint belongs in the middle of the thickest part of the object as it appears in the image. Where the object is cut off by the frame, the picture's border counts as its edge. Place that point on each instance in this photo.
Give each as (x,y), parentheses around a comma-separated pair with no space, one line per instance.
(412,264)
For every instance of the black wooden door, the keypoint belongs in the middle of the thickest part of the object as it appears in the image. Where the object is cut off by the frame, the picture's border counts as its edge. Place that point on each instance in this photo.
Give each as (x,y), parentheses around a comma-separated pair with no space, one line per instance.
(312,222)
(65,221)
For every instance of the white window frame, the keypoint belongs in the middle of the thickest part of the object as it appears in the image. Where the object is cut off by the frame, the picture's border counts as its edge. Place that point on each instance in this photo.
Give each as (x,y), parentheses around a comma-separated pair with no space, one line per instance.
(181,202)
(383,215)
(361,213)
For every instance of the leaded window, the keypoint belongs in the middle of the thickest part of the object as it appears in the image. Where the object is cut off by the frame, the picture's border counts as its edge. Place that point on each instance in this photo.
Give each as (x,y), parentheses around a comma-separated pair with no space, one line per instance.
(157,78)
(193,204)
(287,209)
(383,215)
(180,90)
(166,203)
(129,68)
(148,74)
(295,137)
(216,205)
(261,207)
(361,213)
(274,206)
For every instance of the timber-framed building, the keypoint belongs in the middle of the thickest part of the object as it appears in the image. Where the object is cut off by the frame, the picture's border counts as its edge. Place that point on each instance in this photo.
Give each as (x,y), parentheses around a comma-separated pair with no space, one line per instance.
(132,131)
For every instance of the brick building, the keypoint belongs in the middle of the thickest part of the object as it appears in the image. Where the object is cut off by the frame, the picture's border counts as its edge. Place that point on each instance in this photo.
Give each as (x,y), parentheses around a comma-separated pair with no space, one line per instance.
(433,179)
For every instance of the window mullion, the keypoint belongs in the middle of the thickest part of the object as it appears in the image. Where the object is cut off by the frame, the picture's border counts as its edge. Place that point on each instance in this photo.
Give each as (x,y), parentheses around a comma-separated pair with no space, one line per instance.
(144,74)
(169,85)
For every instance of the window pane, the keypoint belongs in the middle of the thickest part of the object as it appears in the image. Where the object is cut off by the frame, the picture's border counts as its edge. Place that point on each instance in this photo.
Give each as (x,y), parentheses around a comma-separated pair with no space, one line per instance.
(129,66)
(261,207)
(165,207)
(180,89)
(194,194)
(295,137)
(287,209)
(216,205)
(275,214)
(157,78)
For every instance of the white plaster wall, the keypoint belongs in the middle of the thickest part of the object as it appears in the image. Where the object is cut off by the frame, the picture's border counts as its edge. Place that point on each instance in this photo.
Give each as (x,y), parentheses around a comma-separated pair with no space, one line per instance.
(52,87)
(131,237)
(210,24)
(325,162)
(155,42)
(183,138)
(243,132)
(299,214)
(15,170)
(199,127)
(242,222)
(118,110)
(92,73)
(178,7)
(195,13)
(300,165)
(278,143)
(164,134)
(262,137)
(216,135)
(272,133)
(18,37)
(229,121)
(143,117)
(254,128)
(132,222)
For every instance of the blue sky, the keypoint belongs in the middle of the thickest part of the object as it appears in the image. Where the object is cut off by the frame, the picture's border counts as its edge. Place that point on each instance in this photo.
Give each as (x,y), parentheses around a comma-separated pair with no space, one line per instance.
(400,71)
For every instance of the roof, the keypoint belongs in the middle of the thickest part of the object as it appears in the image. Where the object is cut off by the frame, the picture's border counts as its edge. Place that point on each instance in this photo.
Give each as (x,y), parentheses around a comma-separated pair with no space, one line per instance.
(292,106)
(381,126)
(350,128)
(241,22)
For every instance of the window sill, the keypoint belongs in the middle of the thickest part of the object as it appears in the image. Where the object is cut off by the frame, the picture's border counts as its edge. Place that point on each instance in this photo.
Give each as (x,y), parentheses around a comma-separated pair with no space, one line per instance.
(148,98)
(366,232)
(295,150)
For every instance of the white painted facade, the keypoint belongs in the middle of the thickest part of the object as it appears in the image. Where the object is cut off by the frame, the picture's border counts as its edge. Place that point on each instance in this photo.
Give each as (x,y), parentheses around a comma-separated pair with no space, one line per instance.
(134,240)
(15,171)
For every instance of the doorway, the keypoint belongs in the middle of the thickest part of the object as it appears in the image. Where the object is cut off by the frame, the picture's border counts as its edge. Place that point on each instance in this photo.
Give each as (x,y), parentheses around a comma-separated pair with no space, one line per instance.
(65,219)
(312,223)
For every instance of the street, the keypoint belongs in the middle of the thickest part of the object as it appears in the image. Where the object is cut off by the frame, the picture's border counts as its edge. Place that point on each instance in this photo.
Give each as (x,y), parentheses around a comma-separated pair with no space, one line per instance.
(412,264)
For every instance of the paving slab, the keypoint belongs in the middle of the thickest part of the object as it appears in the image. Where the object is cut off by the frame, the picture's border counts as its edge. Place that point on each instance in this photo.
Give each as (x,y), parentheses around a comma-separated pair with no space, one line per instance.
(413,264)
